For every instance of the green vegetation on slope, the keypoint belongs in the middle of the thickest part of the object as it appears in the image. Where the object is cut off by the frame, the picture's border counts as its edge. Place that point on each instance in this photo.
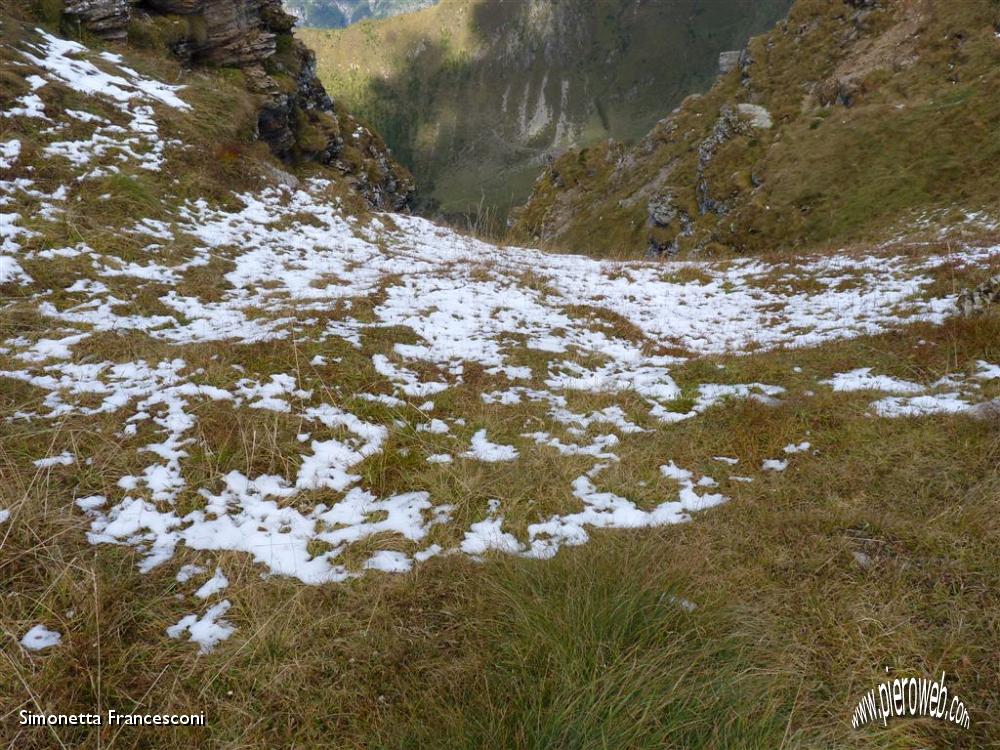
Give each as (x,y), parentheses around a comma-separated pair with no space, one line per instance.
(474,96)
(883,114)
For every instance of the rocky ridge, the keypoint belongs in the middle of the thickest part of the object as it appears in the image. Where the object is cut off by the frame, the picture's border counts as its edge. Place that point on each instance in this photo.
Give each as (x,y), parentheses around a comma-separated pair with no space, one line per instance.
(297,118)
(800,141)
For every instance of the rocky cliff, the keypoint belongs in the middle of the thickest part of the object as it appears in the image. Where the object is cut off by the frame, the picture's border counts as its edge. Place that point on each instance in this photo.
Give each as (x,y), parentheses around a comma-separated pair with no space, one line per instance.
(851,120)
(475,96)
(297,118)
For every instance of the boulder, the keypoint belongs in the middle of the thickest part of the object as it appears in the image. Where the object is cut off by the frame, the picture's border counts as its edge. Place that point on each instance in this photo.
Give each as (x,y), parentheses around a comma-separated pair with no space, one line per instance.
(978,299)
(757,116)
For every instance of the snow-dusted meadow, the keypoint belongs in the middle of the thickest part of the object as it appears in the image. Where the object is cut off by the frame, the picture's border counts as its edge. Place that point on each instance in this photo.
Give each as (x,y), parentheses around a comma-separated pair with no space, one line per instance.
(304,269)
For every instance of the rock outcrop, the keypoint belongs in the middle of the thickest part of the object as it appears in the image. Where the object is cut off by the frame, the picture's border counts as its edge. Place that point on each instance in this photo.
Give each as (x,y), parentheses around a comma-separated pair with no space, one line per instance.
(742,119)
(827,129)
(232,33)
(978,299)
(297,118)
(728,61)
(106,18)
(668,223)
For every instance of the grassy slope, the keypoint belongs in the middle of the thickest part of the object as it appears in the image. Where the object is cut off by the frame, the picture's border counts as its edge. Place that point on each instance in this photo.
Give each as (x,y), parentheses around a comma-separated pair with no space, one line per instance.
(920,136)
(586,651)
(589,650)
(222,124)
(453,87)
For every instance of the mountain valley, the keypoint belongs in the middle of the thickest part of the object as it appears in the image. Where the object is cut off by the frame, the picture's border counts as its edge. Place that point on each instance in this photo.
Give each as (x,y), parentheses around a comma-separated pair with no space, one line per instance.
(697,452)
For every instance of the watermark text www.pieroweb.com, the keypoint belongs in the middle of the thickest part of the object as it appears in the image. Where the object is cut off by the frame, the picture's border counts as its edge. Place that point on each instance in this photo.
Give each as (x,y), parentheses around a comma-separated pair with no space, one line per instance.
(910,697)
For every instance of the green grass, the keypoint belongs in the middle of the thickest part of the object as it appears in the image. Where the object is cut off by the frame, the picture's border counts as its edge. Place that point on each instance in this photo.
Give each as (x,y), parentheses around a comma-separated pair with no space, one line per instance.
(594,650)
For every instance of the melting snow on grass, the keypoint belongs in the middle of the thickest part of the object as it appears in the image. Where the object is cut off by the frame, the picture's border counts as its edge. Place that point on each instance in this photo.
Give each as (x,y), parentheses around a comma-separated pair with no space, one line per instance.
(462,308)
(483,450)
(40,637)
(213,585)
(947,395)
(208,630)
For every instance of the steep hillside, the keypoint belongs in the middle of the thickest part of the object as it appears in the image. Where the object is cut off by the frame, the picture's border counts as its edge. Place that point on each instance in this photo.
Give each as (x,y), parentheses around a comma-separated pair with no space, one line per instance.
(251,41)
(326,14)
(852,119)
(326,476)
(473,96)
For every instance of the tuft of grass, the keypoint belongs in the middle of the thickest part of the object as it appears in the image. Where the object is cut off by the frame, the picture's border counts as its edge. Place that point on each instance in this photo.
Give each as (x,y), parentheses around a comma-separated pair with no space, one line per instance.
(594,650)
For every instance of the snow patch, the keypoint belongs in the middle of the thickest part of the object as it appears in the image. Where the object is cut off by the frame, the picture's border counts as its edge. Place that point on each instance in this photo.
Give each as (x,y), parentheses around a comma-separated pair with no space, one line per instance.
(483,450)
(40,637)
(208,630)
(213,585)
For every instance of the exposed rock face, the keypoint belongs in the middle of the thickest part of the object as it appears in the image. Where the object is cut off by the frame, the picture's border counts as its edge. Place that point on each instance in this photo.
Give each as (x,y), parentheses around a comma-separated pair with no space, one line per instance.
(106,18)
(669,219)
(297,118)
(305,96)
(231,32)
(726,127)
(728,61)
(668,222)
(976,300)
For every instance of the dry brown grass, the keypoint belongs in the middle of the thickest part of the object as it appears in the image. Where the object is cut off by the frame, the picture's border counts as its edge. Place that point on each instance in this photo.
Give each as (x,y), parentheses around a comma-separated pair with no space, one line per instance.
(396,661)
(588,650)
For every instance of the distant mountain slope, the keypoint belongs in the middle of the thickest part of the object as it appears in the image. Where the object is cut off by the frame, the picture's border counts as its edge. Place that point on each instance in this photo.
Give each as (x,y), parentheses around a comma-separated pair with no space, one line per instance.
(338,13)
(473,95)
(852,120)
